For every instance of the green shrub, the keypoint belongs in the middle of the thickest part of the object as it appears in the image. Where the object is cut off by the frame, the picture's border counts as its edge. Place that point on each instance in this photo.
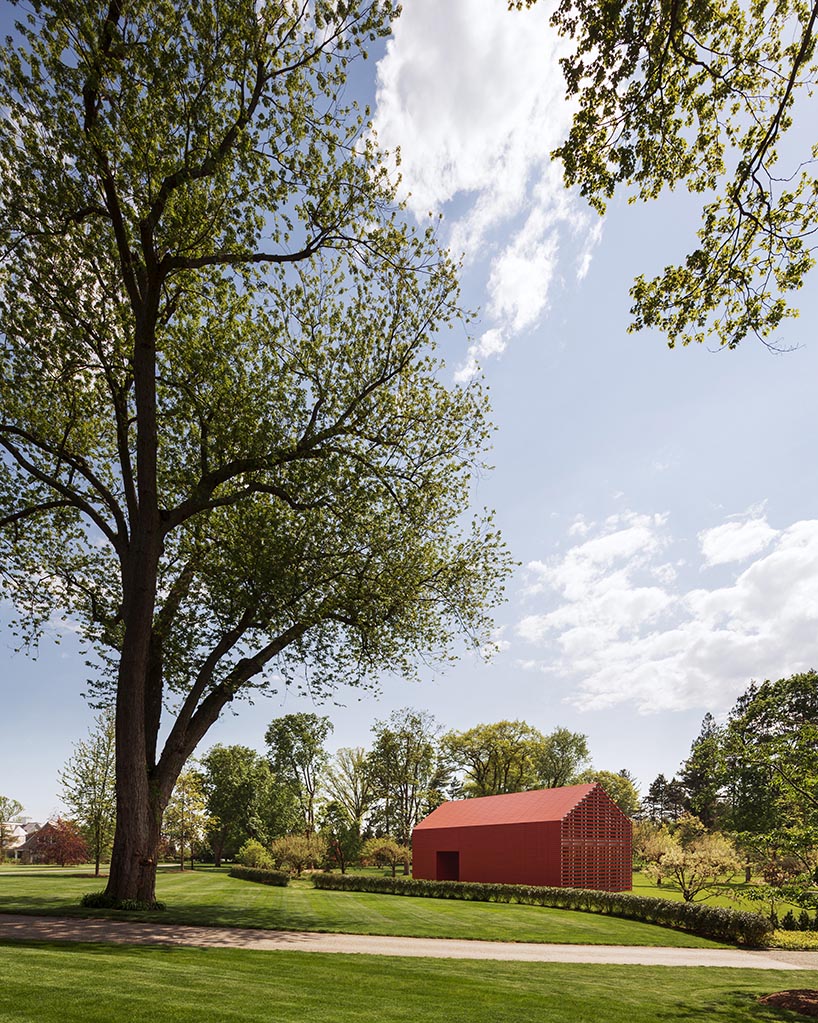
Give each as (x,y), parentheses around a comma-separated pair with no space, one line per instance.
(788,922)
(276,877)
(253,854)
(728,925)
(101,900)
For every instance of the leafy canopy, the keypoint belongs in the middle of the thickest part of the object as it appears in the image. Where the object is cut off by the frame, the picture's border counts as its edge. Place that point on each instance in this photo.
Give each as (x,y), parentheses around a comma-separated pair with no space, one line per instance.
(673,92)
(216,341)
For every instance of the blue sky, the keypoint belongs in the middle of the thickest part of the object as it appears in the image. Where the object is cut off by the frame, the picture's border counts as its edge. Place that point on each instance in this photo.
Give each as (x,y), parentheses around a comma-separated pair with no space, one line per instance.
(660,503)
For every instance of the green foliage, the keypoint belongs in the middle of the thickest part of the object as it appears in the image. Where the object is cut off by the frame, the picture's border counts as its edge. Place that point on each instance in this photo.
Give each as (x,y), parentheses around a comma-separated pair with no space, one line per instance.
(297,852)
(9,808)
(700,95)
(348,781)
(406,771)
(342,835)
(243,800)
(186,821)
(88,786)
(698,863)
(386,851)
(512,756)
(702,774)
(261,875)
(295,744)
(619,787)
(709,921)
(254,854)
(770,742)
(665,800)
(493,758)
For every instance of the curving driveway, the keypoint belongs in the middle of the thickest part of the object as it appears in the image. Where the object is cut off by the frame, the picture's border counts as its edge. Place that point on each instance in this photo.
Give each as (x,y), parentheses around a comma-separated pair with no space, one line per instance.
(128,932)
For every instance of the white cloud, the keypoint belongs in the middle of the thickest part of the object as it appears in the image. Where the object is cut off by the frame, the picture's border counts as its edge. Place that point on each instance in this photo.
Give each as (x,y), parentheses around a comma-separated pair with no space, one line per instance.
(621,626)
(735,541)
(473,96)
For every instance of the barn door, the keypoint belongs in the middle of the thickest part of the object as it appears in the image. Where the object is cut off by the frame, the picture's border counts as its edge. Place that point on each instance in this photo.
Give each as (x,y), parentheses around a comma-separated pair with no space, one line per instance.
(448,866)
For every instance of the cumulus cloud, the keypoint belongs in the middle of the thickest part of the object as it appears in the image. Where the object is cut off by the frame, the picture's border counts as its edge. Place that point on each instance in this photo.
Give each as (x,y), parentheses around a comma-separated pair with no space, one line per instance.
(620,624)
(735,541)
(473,96)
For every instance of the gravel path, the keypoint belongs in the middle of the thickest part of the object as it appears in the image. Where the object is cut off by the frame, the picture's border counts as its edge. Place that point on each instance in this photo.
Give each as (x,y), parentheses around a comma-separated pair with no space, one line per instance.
(49,928)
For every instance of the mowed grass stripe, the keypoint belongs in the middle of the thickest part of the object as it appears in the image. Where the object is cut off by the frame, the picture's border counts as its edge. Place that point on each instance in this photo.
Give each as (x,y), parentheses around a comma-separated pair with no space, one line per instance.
(208,897)
(95,984)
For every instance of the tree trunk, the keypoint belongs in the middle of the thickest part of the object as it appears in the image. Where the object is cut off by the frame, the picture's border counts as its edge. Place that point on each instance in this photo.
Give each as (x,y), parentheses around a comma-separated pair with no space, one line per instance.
(133,859)
(139,803)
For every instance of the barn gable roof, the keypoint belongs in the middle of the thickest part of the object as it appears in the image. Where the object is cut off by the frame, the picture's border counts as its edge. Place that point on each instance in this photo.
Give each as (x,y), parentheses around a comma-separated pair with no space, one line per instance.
(512,808)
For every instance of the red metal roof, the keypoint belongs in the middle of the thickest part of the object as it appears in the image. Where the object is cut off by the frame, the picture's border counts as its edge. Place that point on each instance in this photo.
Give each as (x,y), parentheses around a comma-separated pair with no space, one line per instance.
(513,808)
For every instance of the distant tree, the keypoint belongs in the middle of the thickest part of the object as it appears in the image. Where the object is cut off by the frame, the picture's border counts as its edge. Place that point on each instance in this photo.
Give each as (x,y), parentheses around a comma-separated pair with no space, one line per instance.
(651,845)
(774,727)
(560,757)
(60,841)
(704,864)
(407,771)
(665,800)
(386,851)
(342,835)
(702,774)
(9,809)
(770,744)
(186,820)
(688,829)
(618,786)
(237,783)
(296,752)
(297,852)
(89,786)
(348,781)
(492,758)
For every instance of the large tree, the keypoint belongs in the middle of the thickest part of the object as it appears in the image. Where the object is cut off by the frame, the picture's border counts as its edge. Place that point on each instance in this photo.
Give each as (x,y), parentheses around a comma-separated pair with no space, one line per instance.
(227,449)
(298,756)
(88,787)
(9,808)
(771,749)
(407,770)
(493,758)
(243,801)
(702,774)
(679,92)
(348,782)
(619,786)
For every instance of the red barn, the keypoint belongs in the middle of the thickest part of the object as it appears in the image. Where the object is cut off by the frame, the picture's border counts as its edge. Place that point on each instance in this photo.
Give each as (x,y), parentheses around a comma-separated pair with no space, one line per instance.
(573,837)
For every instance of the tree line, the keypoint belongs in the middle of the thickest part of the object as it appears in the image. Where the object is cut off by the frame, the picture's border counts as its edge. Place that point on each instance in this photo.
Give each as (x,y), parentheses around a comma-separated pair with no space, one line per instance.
(327,805)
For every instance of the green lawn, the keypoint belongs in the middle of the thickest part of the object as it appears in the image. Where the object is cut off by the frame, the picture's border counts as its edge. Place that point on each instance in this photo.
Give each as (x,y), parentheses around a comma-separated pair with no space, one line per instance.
(211,897)
(97,984)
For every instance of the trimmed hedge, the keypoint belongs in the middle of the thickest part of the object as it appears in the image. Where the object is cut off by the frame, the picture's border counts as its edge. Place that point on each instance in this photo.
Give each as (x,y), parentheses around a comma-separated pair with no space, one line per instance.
(729,925)
(262,876)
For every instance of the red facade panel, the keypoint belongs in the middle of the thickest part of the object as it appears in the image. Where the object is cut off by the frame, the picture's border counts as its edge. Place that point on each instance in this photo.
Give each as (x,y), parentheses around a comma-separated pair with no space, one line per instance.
(499,853)
(583,842)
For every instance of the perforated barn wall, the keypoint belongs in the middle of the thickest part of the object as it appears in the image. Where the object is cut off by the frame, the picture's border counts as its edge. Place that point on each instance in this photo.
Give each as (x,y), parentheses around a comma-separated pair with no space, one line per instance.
(596,845)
